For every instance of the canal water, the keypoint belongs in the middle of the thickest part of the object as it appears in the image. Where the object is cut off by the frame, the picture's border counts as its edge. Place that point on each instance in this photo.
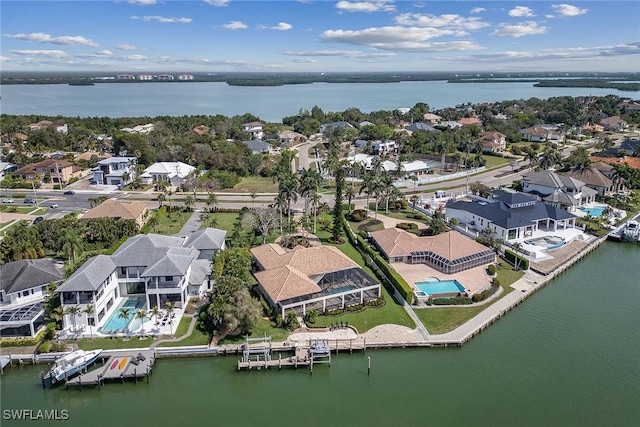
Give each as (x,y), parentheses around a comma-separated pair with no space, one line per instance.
(567,356)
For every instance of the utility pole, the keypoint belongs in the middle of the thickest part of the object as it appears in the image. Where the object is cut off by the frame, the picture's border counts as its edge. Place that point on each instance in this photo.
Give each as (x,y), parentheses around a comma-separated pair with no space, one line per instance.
(467,167)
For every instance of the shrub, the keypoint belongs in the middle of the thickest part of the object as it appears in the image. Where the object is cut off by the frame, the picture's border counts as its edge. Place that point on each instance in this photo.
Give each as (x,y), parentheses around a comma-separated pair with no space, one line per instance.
(407,226)
(510,256)
(491,269)
(358,215)
(452,301)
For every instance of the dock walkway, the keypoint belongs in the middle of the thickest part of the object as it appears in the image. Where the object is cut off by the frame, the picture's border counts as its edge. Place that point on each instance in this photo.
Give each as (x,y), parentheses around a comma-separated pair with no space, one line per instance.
(119,366)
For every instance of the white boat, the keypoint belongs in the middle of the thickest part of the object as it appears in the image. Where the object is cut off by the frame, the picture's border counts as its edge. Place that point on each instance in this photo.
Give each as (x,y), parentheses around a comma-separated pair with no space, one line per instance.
(69,365)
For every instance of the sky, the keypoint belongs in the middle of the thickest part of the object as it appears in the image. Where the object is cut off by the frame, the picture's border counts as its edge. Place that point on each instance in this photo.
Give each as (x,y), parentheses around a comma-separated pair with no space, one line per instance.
(319,36)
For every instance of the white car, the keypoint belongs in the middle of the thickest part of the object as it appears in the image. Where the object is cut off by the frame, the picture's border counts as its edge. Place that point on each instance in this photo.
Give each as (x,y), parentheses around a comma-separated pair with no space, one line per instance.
(7,200)
(53,205)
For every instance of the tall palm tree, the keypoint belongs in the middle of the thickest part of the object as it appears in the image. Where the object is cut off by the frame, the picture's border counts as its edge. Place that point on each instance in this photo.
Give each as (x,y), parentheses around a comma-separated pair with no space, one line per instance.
(124,313)
(212,199)
(155,313)
(141,314)
(517,246)
(309,183)
(170,307)
(73,311)
(189,202)
(367,186)
(532,158)
(89,310)
(153,222)
(414,199)
(71,244)
(350,193)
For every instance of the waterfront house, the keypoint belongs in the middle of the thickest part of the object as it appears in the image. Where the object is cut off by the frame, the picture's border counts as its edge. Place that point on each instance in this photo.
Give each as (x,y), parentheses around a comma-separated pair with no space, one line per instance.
(628,147)
(509,215)
(120,209)
(145,271)
(492,142)
(165,77)
(185,77)
(558,190)
(319,277)
(174,173)
(114,171)
(23,286)
(125,77)
(431,119)
(449,252)
(470,121)
(254,129)
(593,178)
(60,171)
(421,126)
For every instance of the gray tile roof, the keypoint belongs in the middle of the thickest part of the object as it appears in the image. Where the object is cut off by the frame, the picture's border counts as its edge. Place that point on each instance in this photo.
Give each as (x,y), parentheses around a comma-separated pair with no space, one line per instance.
(25,274)
(207,239)
(170,265)
(90,275)
(502,215)
(200,269)
(144,249)
(552,180)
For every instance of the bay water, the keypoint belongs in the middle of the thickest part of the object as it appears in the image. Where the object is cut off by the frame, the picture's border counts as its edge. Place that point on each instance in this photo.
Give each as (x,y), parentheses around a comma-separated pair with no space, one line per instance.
(568,356)
(270,103)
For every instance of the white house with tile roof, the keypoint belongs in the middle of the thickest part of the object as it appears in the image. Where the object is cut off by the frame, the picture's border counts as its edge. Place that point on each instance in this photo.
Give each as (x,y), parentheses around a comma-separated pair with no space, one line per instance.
(147,270)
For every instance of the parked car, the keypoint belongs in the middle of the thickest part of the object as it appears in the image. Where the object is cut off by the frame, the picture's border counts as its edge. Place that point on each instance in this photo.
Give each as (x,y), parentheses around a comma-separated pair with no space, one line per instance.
(7,200)
(28,201)
(69,193)
(38,219)
(53,205)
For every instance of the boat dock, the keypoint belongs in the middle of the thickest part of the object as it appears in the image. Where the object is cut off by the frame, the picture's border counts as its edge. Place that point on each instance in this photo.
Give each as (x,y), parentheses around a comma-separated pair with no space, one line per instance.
(316,352)
(627,231)
(118,366)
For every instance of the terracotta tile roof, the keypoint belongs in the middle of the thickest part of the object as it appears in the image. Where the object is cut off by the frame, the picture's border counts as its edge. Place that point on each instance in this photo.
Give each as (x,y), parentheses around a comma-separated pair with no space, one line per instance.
(469,121)
(32,167)
(632,162)
(591,177)
(289,274)
(117,209)
(450,245)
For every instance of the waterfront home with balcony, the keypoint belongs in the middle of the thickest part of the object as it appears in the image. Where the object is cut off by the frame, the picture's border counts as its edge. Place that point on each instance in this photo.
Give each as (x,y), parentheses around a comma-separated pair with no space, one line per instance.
(23,287)
(114,171)
(147,270)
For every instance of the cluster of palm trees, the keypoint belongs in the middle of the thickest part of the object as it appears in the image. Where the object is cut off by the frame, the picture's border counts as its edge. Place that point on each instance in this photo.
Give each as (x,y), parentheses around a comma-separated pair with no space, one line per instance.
(378,184)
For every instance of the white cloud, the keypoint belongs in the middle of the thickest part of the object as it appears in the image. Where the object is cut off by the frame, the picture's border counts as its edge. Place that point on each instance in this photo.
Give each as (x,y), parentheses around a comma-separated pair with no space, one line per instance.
(218,3)
(519,30)
(235,25)
(47,38)
(568,10)
(124,46)
(366,6)
(449,21)
(399,38)
(573,54)
(133,57)
(304,60)
(142,2)
(4,58)
(342,53)
(520,11)
(282,26)
(41,52)
(478,10)
(100,54)
(162,19)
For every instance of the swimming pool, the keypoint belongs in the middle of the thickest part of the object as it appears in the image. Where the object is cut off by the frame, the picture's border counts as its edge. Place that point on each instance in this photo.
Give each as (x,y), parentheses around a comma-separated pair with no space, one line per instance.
(436,287)
(116,323)
(594,212)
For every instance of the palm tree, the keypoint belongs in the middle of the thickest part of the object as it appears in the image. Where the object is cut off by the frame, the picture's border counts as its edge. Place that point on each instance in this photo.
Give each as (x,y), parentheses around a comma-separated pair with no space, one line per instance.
(212,199)
(89,310)
(367,186)
(71,244)
(350,193)
(169,306)
(189,202)
(414,199)
(155,313)
(309,183)
(315,198)
(161,198)
(532,157)
(141,314)
(153,222)
(124,313)
(516,247)
(73,311)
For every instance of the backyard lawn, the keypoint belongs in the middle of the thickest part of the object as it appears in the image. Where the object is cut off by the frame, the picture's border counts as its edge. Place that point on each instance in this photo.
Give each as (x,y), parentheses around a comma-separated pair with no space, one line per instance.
(258,184)
(196,337)
(443,319)
(112,343)
(264,327)
(168,223)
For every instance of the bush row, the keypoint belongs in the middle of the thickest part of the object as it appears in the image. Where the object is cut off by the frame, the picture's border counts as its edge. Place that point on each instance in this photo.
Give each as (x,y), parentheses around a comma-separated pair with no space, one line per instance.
(452,301)
(510,256)
(380,302)
(485,294)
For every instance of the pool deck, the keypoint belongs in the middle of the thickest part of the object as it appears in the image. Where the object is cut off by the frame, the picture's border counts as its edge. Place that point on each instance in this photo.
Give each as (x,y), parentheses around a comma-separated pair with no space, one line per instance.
(474,280)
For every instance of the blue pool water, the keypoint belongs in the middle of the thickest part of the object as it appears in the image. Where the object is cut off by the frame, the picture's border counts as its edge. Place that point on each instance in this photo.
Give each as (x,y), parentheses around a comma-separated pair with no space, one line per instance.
(594,212)
(117,323)
(440,287)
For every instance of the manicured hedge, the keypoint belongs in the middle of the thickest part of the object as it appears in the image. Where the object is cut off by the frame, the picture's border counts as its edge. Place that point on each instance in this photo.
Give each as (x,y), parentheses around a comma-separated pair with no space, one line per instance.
(452,301)
(511,257)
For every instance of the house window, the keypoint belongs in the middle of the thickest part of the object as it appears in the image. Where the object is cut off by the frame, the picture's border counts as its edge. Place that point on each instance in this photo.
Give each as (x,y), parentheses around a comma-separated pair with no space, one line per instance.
(169,278)
(25,294)
(91,321)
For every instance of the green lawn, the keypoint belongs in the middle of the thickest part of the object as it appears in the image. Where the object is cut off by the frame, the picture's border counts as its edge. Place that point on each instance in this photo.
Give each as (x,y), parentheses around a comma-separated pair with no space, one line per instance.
(221,220)
(168,223)
(23,209)
(494,162)
(196,337)
(440,320)
(264,327)
(112,343)
(258,184)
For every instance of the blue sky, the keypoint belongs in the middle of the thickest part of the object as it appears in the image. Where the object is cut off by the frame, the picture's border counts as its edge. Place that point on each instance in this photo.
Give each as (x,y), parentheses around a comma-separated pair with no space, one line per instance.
(319,36)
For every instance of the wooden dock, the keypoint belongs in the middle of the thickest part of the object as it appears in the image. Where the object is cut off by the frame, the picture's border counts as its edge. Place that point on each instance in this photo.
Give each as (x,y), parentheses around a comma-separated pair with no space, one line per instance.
(303,355)
(121,366)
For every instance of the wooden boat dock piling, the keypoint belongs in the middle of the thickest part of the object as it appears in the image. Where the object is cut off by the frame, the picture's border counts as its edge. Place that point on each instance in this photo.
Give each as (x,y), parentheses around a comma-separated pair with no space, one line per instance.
(118,366)
(317,351)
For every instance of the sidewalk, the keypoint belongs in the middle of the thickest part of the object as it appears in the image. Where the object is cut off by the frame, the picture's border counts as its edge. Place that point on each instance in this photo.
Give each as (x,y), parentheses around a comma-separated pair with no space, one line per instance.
(192,225)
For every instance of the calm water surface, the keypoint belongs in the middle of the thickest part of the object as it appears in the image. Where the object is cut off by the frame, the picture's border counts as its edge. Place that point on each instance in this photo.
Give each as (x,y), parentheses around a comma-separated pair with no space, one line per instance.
(268,103)
(568,356)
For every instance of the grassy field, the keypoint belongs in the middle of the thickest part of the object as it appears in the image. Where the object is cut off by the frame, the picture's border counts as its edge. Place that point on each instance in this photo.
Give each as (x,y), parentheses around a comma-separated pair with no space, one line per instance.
(263,328)
(168,223)
(440,320)
(23,209)
(112,343)
(196,337)
(258,184)
(494,162)
(221,220)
